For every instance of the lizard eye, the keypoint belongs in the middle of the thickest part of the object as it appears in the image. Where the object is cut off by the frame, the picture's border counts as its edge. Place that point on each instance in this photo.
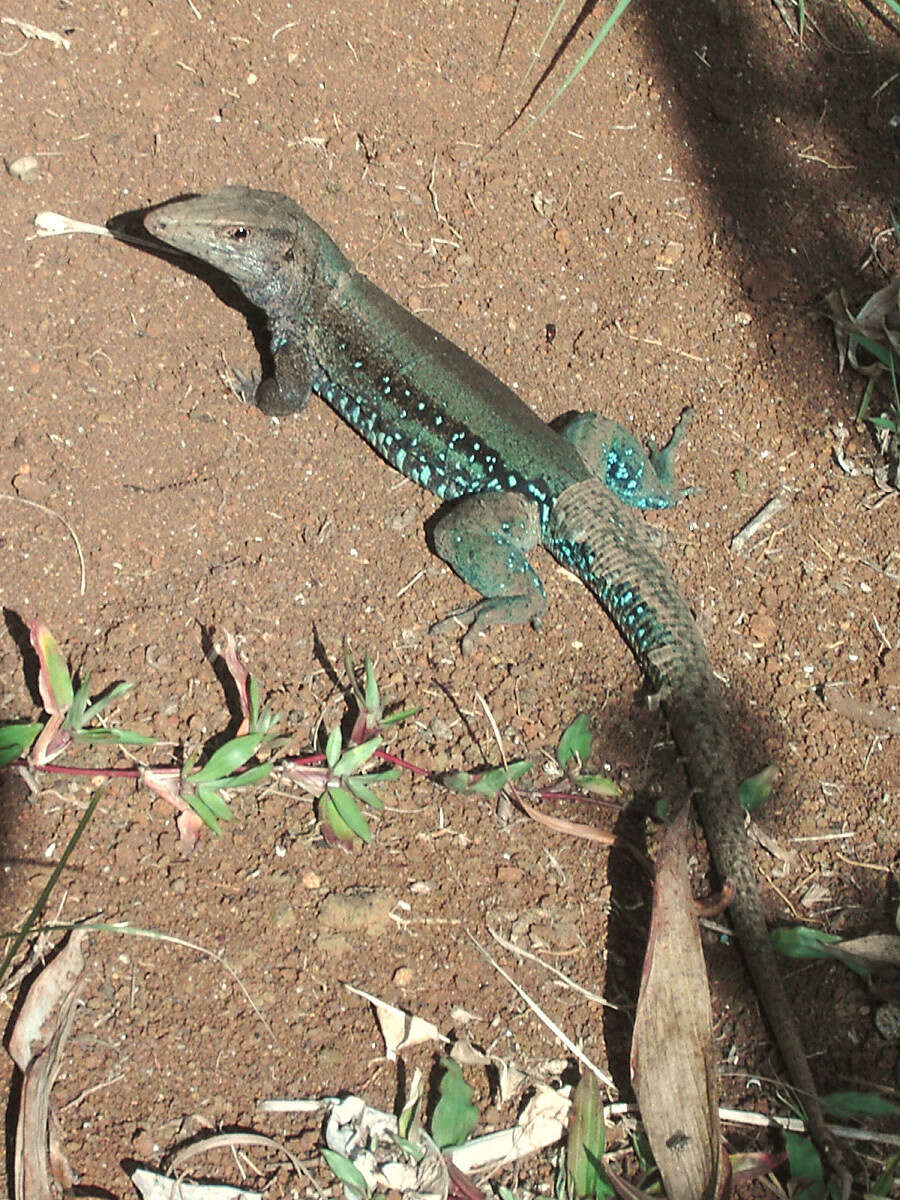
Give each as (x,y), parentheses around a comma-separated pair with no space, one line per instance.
(238,233)
(289,255)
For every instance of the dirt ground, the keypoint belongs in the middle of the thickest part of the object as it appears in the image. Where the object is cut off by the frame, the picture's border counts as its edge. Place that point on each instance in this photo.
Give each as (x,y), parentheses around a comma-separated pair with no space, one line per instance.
(663,237)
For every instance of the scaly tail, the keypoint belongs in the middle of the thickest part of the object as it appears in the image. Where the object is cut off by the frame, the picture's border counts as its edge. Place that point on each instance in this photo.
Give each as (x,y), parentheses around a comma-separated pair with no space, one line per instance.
(608,547)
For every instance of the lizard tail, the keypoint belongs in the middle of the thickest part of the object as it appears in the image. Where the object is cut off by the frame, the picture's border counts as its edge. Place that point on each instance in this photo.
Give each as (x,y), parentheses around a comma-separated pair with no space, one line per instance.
(608,547)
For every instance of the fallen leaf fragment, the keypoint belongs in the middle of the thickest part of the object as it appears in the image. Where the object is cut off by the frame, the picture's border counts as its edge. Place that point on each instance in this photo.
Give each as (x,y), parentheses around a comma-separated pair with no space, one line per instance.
(672,1048)
(369,1139)
(51,224)
(541,1123)
(161,1187)
(399,1028)
(875,951)
(36,1045)
(28,30)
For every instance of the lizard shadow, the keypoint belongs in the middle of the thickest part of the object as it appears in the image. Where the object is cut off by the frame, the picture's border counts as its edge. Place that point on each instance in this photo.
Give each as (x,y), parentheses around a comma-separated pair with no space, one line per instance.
(128,227)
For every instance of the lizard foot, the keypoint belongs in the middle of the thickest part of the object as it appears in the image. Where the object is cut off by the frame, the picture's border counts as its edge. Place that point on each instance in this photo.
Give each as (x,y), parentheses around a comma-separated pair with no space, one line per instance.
(501,610)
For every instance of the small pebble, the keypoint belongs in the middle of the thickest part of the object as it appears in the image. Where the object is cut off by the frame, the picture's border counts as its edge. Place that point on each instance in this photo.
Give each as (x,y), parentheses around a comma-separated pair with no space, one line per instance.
(25,168)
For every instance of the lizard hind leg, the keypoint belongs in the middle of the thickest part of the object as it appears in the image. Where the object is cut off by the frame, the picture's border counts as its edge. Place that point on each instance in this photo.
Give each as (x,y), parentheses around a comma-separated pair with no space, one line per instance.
(638,477)
(485,539)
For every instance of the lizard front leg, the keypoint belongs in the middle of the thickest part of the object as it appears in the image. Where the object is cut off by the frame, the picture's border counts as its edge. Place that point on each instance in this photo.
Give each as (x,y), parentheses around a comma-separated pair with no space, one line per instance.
(638,477)
(485,538)
(287,389)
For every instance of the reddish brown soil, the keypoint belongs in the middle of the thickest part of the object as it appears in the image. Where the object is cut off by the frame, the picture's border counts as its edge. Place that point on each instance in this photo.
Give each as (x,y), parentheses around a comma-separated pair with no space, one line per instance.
(674,221)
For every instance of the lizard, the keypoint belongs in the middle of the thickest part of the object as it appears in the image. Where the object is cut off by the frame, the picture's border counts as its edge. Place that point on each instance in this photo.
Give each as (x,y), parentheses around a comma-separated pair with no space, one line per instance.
(449,424)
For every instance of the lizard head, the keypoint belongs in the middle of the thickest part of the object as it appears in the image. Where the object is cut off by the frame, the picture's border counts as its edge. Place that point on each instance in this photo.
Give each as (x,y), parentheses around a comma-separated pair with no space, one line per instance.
(262,241)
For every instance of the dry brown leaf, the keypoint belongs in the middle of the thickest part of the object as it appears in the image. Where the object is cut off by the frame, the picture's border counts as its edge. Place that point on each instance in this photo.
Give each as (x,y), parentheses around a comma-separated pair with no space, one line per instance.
(876,951)
(36,1045)
(672,1065)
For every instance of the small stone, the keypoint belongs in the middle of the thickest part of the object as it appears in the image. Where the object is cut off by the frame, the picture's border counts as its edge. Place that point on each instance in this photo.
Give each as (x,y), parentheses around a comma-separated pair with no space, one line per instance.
(670,254)
(144,1145)
(763,628)
(743,318)
(887,1022)
(403,977)
(30,488)
(25,168)
(509,874)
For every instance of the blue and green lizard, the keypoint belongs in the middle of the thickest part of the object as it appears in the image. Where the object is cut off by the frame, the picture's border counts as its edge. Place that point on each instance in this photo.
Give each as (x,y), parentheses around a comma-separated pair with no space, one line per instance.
(446,422)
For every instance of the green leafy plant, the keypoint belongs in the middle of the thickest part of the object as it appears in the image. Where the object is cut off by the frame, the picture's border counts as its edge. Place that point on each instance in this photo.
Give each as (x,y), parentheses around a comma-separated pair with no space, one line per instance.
(70,711)
(574,750)
(756,790)
(486,783)
(596,42)
(341,785)
(455,1116)
(348,1174)
(586,1178)
(371,719)
(200,789)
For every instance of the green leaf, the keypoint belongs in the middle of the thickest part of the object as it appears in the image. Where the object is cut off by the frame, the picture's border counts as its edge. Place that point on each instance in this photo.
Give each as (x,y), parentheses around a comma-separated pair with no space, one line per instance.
(229,757)
(885,1181)
(364,793)
(333,747)
(409,1149)
(75,717)
(600,785)
(245,778)
(403,715)
(817,1190)
(253,698)
(492,782)
(457,781)
(876,349)
(112,737)
(349,1175)
(15,740)
(576,741)
(379,777)
(209,796)
(488,783)
(106,698)
(40,904)
(855,1106)
(349,763)
(598,39)
(54,681)
(586,1143)
(331,819)
(348,810)
(804,1161)
(803,942)
(204,812)
(455,1116)
(754,791)
(372,697)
